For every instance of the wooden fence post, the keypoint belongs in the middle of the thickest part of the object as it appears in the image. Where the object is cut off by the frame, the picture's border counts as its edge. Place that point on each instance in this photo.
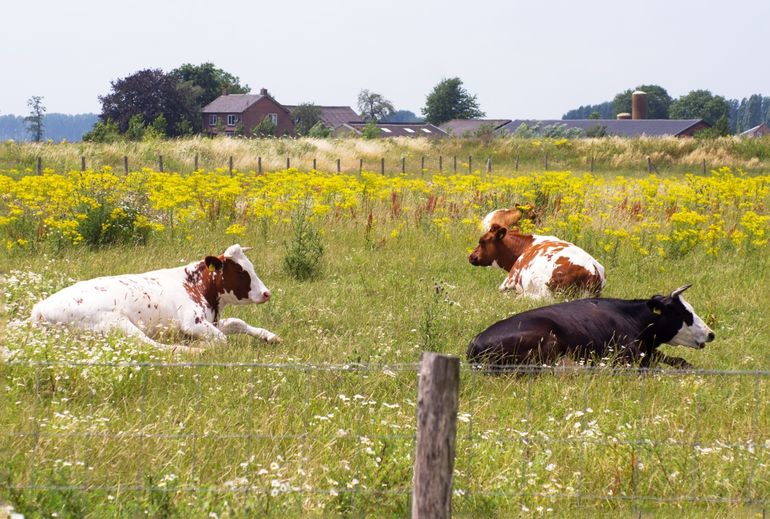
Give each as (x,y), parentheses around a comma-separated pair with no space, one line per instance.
(360,165)
(288,162)
(440,164)
(160,163)
(704,166)
(403,164)
(230,164)
(489,164)
(259,165)
(82,163)
(517,162)
(382,165)
(437,403)
(39,166)
(422,164)
(314,163)
(125,164)
(454,164)
(196,162)
(593,158)
(338,165)
(470,163)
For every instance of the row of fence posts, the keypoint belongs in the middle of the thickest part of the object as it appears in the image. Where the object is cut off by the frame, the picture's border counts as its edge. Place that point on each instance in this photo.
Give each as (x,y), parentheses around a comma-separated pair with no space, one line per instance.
(651,168)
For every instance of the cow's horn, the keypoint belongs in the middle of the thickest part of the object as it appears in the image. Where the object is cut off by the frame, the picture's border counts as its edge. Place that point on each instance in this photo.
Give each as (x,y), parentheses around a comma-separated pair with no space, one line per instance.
(679,290)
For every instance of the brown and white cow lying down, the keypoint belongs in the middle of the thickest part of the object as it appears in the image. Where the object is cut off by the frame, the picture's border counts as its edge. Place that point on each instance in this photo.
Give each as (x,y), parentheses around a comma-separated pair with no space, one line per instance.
(538,266)
(627,330)
(188,299)
(506,217)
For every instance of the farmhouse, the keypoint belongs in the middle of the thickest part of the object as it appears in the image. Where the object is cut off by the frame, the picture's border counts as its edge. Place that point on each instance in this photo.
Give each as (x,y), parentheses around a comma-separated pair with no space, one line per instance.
(239,114)
(470,127)
(334,116)
(392,130)
(761,130)
(620,127)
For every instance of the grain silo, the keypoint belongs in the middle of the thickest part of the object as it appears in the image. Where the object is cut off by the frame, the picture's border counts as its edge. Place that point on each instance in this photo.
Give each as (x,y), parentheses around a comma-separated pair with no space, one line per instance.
(639,105)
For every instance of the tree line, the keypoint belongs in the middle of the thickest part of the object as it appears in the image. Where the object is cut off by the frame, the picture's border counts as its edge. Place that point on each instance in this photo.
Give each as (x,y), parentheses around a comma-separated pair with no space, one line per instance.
(724,115)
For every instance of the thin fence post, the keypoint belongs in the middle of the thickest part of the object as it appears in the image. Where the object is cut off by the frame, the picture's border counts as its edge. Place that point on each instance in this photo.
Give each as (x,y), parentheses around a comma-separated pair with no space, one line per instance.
(196,162)
(230,164)
(125,164)
(437,403)
(288,162)
(704,166)
(360,165)
(82,163)
(517,162)
(545,158)
(440,164)
(650,165)
(314,164)
(593,158)
(338,166)
(160,163)
(489,164)
(39,166)
(454,164)
(422,164)
(382,165)
(259,165)
(403,164)
(470,163)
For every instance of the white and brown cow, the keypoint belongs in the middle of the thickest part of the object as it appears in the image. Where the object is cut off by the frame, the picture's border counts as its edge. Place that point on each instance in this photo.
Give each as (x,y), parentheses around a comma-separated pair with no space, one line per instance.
(188,299)
(507,217)
(538,266)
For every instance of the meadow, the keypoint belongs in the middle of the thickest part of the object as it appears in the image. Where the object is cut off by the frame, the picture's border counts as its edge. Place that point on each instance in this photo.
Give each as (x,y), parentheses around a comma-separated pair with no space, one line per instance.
(323,423)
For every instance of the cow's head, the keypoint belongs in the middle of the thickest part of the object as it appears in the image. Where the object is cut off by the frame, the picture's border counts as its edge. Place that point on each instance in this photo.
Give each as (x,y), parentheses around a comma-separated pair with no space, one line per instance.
(490,250)
(677,319)
(240,283)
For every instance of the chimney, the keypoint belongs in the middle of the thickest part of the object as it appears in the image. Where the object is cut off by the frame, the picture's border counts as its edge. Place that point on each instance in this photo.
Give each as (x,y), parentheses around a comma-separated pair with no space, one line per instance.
(639,105)
(263,91)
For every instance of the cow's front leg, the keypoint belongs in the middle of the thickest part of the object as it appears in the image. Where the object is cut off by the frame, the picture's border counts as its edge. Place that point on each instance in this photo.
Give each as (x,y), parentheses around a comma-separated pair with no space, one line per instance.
(202,329)
(232,325)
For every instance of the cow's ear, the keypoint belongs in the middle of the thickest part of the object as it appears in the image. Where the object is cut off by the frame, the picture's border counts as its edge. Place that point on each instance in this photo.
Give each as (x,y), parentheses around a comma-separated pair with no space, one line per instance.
(213,263)
(655,305)
(500,232)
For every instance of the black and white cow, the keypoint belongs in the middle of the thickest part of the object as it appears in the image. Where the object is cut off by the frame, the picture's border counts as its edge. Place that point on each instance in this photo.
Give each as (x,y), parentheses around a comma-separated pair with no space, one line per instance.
(625,330)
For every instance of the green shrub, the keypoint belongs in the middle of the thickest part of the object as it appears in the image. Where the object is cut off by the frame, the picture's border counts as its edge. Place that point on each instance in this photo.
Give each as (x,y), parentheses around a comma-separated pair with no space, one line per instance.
(303,254)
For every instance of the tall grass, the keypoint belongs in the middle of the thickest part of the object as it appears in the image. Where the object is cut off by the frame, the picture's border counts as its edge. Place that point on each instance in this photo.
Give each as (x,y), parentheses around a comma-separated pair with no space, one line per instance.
(667,154)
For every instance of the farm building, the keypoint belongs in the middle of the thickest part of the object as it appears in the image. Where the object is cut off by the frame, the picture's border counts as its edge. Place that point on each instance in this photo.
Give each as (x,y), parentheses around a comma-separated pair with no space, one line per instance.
(392,130)
(620,127)
(233,114)
(760,130)
(468,127)
(333,116)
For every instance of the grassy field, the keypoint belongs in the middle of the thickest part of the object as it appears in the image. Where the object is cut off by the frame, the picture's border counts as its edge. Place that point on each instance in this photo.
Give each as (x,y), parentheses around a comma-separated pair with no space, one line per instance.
(323,423)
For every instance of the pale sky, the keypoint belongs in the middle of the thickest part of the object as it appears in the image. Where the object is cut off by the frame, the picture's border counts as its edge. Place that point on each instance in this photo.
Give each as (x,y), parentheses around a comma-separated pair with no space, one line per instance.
(534,59)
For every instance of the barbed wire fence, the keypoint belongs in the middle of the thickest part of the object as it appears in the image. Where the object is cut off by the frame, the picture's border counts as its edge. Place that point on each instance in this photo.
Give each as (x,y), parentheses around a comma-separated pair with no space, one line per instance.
(34,444)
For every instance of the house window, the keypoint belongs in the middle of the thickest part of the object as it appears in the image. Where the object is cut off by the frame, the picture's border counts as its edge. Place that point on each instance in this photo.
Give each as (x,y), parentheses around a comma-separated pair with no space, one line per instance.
(213,120)
(273,118)
(232,119)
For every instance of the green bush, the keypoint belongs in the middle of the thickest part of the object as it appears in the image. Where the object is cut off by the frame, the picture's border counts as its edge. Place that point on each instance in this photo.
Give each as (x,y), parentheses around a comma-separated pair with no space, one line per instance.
(303,254)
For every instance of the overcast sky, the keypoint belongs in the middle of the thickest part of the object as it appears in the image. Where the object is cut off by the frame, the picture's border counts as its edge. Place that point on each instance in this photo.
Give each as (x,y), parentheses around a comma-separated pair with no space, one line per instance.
(534,59)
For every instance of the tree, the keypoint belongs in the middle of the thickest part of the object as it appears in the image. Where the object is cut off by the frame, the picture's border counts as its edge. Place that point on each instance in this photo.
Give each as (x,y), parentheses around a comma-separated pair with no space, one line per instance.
(373,106)
(658,101)
(305,117)
(604,110)
(103,131)
(370,130)
(402,116)
(265,128)
(149,93)
(35,118)
(449,100)
(700,104)
(209,80)
(750,113)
